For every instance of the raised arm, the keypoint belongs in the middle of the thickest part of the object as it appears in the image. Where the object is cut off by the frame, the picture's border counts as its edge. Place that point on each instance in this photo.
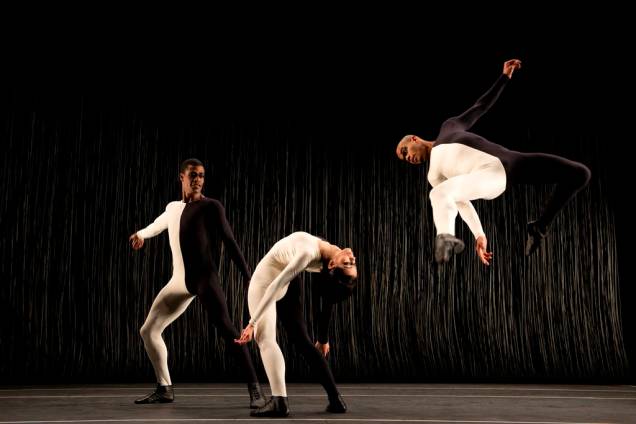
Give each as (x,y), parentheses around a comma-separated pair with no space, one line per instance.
(230,243)
(467,119)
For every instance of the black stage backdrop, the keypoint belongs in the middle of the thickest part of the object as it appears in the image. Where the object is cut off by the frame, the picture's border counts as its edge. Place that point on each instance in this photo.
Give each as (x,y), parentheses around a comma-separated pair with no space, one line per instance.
(88,163)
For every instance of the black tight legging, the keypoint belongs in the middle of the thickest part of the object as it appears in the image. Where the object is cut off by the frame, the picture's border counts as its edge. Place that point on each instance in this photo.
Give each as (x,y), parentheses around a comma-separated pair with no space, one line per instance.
(290,311)
(542,168)
(213,300)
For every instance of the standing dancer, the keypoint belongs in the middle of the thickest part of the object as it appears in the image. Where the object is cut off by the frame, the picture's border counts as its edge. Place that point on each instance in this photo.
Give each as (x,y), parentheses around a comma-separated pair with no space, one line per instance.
(196,226)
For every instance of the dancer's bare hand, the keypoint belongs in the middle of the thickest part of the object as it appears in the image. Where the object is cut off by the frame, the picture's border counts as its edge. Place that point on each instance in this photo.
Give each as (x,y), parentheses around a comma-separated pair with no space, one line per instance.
(510,66)
(322,348)
(136,242)
(482,252)
(246,335)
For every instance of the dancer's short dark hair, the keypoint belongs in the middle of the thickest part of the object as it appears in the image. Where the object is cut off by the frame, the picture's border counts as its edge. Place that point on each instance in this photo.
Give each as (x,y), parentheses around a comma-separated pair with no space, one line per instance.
(188,162)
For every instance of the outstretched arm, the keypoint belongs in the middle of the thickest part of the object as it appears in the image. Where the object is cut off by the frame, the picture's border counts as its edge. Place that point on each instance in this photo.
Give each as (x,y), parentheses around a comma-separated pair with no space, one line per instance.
(467,119)
(469,216)
(159,224)
(230,243)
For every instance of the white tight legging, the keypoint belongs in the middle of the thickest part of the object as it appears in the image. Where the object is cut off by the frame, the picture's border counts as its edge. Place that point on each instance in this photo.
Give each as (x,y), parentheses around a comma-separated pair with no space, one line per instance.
(265,331)
(454,194)
(171,302)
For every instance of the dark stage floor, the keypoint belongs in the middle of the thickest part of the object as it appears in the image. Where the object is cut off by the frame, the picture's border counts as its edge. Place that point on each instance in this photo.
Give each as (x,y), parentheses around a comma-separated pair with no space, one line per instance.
(424,403)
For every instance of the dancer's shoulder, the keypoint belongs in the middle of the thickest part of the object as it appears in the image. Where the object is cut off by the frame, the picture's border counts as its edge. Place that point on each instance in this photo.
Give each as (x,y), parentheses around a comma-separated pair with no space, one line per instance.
(212,203)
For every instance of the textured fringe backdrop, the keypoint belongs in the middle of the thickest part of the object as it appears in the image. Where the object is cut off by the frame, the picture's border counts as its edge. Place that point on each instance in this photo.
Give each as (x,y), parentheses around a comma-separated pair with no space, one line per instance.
(74,295)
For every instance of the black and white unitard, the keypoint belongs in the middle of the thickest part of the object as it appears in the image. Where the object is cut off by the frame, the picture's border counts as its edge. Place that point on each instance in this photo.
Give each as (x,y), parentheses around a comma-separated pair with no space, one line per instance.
(276,290)
(465,166)
(195,231)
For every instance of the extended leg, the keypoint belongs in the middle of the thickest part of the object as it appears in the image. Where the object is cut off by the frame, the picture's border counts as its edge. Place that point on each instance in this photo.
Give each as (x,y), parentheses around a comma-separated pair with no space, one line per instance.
(265,335)
(541,168)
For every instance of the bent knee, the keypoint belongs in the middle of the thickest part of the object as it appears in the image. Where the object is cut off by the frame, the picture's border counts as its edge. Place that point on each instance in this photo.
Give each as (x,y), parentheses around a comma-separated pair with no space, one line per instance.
(438,194)
(144,332)
(147,332)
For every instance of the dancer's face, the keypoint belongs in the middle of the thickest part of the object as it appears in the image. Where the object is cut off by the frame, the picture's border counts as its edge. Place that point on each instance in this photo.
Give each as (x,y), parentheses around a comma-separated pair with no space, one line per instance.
(192,180)
(345,260)
(413,150)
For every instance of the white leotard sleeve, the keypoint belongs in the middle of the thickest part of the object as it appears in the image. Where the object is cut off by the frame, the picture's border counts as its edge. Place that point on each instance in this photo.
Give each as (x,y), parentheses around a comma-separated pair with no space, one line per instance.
(469,215)
(160,224)
(297,265)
